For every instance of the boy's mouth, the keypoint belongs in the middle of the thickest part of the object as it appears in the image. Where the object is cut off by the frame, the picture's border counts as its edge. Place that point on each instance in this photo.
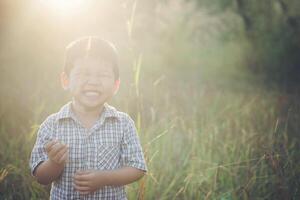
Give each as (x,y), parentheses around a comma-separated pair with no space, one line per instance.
(91,93)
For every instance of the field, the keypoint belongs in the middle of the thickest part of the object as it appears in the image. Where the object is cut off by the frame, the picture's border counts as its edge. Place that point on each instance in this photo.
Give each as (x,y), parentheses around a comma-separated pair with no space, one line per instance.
(200,142)
(214,98)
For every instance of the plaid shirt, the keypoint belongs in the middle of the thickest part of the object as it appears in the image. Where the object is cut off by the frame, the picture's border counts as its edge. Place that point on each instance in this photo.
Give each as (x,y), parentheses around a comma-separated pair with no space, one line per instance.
(110,144)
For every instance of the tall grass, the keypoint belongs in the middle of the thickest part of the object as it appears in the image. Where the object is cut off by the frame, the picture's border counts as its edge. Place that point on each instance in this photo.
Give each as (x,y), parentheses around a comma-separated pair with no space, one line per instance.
(200,143)
(210,144)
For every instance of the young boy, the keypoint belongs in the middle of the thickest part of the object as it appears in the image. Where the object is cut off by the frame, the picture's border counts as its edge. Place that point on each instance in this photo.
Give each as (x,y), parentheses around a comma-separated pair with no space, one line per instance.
(88,150)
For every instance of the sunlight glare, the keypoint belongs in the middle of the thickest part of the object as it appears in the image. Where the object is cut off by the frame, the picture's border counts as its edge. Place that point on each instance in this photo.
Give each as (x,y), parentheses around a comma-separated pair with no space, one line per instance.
(63,7)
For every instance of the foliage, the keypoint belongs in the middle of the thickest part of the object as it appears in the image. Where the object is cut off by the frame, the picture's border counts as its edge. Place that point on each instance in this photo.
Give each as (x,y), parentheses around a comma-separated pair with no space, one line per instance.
(272,28)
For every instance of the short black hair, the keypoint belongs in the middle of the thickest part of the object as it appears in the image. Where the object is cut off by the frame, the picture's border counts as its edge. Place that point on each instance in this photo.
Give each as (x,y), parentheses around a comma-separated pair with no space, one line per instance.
(94,47)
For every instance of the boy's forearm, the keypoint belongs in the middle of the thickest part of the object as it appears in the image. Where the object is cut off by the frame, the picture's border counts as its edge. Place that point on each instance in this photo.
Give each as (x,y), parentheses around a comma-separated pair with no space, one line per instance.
(48,171)
(122,176)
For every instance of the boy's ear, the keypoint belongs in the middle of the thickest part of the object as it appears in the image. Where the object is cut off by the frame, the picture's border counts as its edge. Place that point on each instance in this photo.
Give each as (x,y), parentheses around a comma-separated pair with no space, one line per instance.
(117,86)
(64,79)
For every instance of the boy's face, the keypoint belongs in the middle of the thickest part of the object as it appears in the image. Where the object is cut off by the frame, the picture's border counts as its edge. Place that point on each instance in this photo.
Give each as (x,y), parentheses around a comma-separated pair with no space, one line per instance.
(91,82)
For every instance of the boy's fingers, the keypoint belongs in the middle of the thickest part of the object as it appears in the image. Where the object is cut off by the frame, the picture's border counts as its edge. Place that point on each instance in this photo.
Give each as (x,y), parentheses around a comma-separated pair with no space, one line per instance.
(79,172)
(82,189)
(64,157)
(81,183)
(80,177)
(49,145)
(82,172)
(55,149)
(84,193)
(61,153)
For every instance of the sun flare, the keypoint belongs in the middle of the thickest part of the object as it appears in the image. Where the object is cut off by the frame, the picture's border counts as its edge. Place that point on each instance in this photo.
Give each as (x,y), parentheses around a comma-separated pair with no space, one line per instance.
(64,7)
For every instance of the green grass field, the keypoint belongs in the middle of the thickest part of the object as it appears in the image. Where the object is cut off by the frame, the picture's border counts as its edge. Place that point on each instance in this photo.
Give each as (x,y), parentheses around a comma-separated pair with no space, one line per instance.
(200,143)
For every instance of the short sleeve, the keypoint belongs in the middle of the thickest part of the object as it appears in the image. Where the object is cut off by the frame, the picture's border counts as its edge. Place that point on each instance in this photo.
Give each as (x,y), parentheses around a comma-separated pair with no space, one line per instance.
(131,150)
(38,154)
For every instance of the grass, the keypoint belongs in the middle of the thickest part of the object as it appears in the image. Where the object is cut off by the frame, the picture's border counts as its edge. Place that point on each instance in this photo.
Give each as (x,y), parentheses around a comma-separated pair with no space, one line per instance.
(201,140)
(217,145)
(201,143)
(207,144)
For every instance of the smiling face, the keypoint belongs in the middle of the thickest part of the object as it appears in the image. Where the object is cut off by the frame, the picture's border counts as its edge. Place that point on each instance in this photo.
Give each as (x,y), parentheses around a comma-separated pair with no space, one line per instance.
(91,83)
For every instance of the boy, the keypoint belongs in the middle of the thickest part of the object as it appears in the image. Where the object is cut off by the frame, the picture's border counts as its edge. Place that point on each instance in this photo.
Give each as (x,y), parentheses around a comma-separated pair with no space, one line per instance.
(88,150)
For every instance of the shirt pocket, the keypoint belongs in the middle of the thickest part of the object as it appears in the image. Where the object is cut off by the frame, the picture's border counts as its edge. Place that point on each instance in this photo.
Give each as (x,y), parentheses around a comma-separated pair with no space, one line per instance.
(108,156)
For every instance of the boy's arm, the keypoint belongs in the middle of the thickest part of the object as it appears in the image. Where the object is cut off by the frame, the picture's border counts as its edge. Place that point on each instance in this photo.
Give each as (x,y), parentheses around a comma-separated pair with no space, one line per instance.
(47,172)
(88,181)
(51,169)
(122,176)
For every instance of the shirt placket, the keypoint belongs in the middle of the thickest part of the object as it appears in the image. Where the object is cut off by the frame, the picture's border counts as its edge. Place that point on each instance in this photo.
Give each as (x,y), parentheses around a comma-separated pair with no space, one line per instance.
(87,149)
(86,146)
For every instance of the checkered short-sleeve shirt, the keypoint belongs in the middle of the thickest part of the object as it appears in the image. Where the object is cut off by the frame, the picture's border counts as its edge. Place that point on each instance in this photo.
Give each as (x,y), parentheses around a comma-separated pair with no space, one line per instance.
(110,144)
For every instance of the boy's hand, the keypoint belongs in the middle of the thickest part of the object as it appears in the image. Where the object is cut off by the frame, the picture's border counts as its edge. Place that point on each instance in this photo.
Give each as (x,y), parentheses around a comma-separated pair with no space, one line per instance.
(87,182)
(57,152)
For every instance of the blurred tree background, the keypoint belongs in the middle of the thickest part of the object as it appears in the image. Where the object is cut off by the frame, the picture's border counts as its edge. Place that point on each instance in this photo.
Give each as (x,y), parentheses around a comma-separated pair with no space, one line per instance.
(218,42)
(170,51)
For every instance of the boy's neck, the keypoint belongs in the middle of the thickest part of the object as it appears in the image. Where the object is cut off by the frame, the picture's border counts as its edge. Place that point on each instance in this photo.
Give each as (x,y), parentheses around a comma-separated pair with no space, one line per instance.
(86,117)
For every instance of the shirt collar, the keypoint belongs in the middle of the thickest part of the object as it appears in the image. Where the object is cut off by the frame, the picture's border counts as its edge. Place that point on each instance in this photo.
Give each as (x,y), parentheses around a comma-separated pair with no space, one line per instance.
(65,112)
(108,112)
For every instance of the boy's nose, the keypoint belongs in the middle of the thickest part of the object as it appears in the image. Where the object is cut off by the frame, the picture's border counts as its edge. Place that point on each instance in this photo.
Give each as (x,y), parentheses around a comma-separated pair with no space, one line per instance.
(94,81)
